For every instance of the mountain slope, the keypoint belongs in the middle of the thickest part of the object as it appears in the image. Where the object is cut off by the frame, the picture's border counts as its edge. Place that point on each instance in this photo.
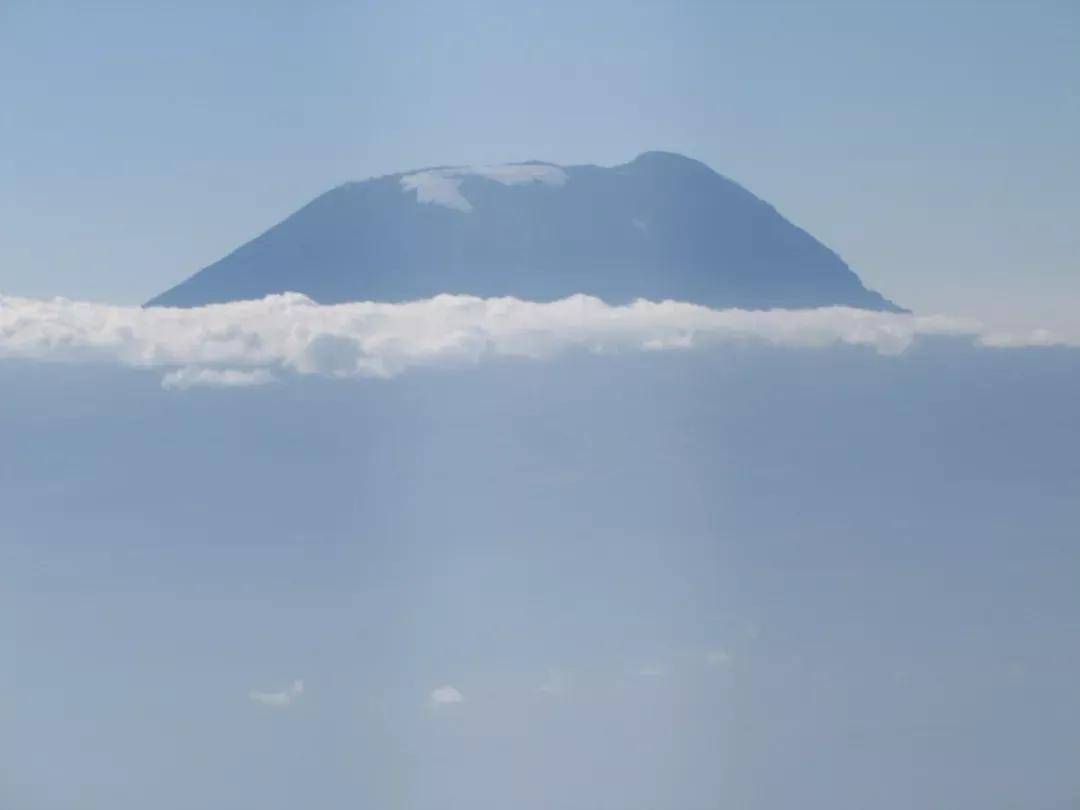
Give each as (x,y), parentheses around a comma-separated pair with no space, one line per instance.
(661,226)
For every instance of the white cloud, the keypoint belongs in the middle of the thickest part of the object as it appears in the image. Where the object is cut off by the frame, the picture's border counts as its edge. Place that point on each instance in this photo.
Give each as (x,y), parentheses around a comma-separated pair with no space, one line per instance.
(279,700)
(652,671)
(445,696)
(251,342)
(443,186)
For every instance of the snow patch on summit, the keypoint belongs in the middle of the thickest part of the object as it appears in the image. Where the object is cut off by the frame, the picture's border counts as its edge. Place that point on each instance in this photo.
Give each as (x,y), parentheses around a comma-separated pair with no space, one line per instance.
(443,186)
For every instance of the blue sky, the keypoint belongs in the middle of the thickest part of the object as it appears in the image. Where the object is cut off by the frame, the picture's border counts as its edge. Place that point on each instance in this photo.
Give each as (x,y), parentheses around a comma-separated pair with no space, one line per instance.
(932,145)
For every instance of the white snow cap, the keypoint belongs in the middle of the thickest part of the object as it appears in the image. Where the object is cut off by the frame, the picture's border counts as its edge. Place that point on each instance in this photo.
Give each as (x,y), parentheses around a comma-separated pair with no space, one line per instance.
(443,186)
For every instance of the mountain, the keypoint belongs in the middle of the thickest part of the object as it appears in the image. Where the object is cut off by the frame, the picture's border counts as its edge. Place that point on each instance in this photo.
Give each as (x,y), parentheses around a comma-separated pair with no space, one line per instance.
(661,226)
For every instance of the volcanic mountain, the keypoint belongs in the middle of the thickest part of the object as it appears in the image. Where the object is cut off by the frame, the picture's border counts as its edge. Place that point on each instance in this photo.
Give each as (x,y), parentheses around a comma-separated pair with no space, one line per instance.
(662,226)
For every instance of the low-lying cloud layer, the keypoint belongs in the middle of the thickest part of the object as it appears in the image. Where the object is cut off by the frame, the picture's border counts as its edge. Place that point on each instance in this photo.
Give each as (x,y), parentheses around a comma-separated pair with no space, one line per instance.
(253,342)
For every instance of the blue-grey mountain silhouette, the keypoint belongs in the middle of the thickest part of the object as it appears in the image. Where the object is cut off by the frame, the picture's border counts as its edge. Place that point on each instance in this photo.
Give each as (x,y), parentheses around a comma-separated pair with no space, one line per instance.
(662,226)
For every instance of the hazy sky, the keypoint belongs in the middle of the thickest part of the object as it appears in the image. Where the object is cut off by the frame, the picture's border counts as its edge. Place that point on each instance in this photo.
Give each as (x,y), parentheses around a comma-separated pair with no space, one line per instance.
(932,145)
(738,578)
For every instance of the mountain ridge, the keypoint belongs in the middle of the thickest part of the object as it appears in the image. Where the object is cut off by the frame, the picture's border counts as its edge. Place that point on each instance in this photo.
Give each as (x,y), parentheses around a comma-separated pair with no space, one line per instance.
(661,226)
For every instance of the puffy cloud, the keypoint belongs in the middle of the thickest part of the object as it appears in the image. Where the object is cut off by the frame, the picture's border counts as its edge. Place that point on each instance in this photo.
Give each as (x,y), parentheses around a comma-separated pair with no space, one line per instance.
(250,342)
(279,700)
(443,186)
(445,696)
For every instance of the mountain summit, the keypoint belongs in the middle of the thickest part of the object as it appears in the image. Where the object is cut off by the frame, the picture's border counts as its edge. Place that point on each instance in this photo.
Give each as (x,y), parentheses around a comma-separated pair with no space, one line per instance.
(662,226)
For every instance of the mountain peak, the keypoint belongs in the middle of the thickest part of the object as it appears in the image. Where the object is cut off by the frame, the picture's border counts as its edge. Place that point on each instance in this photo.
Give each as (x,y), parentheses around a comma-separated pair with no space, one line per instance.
(667,160)
(663,226)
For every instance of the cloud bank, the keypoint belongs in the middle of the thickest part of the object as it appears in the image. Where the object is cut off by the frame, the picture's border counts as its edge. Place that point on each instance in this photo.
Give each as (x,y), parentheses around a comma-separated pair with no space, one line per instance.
(254,342)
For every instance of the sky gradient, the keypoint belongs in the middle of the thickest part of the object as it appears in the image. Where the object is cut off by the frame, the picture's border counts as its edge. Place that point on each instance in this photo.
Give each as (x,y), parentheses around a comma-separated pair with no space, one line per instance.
(931,145)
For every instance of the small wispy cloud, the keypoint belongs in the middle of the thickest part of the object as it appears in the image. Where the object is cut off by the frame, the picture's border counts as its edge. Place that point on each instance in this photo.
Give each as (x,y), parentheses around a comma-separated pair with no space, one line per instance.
(445,696)
(652,671)
(1021,339)
(718,659)
(279,700)
(557,682)
(188,377)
